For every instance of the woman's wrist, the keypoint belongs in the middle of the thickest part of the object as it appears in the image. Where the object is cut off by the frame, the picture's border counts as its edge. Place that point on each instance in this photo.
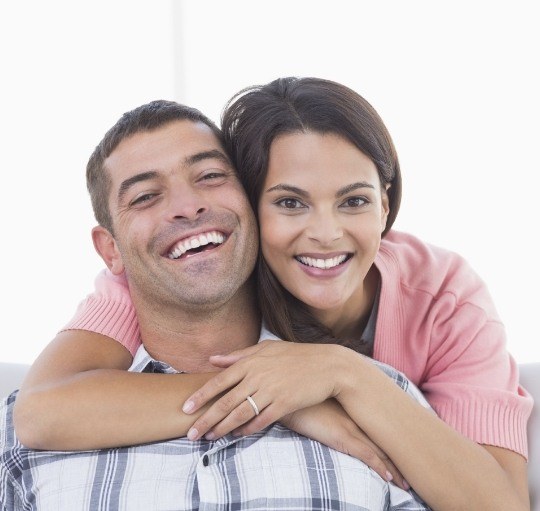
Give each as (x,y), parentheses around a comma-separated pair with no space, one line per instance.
(354,374)
(342,364)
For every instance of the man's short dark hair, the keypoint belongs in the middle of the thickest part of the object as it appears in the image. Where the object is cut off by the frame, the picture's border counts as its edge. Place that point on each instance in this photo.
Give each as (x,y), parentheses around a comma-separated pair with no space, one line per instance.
(148,117)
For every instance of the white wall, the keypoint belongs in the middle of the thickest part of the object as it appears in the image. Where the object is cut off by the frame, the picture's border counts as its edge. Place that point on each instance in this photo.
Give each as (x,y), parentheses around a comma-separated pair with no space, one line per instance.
(69,70)
(454,81)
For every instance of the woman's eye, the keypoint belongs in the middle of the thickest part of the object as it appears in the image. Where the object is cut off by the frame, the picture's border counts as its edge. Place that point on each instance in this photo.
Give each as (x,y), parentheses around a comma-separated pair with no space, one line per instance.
(289,203)
(355,202)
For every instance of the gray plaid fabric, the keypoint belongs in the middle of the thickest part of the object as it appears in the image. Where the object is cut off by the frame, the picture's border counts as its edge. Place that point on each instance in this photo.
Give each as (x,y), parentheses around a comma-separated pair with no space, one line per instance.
(275,469)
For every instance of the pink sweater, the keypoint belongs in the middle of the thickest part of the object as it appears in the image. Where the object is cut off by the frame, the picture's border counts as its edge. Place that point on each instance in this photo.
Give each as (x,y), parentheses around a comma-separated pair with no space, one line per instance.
(436,323)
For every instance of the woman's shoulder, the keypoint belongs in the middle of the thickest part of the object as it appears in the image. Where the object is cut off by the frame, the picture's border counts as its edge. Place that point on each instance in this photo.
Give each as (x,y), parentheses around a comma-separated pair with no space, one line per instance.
(406,246)
(412,253)
(112,286)
(425,267)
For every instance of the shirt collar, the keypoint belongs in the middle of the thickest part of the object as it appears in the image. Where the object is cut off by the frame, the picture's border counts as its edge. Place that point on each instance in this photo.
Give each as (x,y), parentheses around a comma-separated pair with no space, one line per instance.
(144,363)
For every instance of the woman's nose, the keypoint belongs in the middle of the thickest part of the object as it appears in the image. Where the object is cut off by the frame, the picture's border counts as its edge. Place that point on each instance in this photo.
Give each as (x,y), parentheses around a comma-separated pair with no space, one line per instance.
(324,228)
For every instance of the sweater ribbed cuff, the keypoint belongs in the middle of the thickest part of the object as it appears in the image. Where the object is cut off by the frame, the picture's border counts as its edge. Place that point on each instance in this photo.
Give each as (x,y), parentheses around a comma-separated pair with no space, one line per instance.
(488,422)
(113,319)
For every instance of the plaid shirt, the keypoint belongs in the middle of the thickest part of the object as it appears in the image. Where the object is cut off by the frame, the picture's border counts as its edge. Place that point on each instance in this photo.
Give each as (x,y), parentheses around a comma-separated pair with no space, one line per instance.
(273,469)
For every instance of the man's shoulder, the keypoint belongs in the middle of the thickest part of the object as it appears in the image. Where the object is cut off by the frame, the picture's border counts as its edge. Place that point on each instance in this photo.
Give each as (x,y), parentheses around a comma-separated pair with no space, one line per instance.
(169,474)
(7,433)
(12,456)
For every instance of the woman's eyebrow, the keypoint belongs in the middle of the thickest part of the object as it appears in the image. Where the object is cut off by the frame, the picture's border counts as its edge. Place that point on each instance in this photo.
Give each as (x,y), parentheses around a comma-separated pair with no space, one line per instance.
(288,188)
(352,187)
(303,193)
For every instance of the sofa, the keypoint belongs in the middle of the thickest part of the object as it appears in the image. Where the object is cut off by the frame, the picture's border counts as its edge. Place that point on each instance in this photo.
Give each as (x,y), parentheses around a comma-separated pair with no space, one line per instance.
(11,376)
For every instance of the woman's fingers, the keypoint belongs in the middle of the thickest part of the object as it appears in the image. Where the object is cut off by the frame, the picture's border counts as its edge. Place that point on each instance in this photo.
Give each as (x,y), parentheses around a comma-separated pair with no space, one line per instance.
(243,418)
(270,368)
(235,356)
(361,447)
(228,413)
(223,361)
(329,424)
(223,380)
(212,388)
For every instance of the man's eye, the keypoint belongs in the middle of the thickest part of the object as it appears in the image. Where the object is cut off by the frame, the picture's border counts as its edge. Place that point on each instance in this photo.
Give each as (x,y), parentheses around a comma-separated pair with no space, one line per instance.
(214,175)
(141,199)
(289,203)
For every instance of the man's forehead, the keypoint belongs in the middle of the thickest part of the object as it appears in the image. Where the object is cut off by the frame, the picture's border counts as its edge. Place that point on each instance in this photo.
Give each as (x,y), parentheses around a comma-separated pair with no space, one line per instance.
(177,143)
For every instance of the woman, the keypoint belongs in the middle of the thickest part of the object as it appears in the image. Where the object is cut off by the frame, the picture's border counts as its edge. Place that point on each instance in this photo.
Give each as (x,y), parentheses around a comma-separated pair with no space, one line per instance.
(322,173)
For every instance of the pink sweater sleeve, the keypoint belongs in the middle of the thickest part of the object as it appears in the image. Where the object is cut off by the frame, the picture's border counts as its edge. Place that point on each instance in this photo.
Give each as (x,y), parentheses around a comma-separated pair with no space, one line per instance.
(437,324)
(471,380)
(109,311)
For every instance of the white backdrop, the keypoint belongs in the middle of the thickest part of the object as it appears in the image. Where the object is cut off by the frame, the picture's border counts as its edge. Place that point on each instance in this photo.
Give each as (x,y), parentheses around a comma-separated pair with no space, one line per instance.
(456,83)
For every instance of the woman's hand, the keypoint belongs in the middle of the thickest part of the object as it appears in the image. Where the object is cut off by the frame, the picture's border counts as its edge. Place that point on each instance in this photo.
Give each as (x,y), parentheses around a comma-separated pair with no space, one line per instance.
(329,424)
(281,377)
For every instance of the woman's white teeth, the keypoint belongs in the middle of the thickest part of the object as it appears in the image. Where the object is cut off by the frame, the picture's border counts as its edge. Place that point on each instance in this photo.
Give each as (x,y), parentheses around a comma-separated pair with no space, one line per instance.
(323,264)
(197,241)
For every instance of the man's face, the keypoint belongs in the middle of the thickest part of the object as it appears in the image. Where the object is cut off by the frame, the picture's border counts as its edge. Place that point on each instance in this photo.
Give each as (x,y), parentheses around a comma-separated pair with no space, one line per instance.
(183,228)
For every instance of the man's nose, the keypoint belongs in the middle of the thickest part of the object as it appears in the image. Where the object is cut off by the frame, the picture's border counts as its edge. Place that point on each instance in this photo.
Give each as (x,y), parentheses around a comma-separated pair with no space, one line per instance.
(324,227)
(186,202)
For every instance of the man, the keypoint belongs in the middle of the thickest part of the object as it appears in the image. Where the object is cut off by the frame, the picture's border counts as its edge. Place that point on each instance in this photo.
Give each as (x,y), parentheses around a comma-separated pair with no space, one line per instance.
(162,180)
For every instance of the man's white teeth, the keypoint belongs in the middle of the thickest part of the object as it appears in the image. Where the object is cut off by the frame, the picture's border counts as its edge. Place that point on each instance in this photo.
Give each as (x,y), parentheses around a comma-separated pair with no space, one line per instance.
(197,241)
(323,264)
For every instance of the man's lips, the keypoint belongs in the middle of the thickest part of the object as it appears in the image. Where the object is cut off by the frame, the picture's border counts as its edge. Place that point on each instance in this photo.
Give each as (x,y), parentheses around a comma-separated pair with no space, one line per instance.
(197,243)
(323,262)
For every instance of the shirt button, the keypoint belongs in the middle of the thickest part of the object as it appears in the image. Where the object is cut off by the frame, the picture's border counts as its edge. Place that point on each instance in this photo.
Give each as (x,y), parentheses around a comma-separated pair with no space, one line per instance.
(205,460)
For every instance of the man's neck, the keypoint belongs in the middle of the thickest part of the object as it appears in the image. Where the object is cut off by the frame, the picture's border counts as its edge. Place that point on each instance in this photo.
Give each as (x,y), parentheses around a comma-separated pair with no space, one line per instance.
(185,339)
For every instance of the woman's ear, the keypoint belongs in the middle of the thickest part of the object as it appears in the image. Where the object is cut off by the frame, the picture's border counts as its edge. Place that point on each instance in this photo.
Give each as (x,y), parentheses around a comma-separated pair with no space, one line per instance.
(107,248)
(385,206)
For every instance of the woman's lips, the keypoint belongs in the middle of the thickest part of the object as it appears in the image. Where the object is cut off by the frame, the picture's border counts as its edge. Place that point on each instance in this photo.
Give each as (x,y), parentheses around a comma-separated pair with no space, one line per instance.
(320,265)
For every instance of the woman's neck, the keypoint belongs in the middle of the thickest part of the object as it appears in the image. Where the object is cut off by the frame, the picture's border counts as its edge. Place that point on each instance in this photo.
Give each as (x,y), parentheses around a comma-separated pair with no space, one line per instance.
(349,320)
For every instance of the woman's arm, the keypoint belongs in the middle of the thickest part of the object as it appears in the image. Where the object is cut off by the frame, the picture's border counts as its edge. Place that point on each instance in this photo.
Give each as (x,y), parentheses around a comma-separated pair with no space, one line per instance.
(78,396)
(329,424)
(447,470)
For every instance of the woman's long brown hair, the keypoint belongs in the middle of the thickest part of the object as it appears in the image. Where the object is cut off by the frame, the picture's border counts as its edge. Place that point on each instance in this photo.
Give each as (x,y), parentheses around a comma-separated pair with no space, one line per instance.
(251,121)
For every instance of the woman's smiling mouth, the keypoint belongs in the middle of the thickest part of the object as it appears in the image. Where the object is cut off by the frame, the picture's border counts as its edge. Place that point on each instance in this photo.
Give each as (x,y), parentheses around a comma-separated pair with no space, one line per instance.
(323,263)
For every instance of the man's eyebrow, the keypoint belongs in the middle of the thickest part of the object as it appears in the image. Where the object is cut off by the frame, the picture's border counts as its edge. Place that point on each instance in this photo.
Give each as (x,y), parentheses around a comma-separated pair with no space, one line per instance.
(303,193)
(128,183)
(152,174)
(213,154)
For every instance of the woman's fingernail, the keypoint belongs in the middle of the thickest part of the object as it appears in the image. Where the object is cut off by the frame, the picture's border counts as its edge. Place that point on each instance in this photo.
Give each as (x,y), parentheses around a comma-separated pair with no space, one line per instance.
(406,485)
(192,434)
(188,406)
(389,476)
(210,436)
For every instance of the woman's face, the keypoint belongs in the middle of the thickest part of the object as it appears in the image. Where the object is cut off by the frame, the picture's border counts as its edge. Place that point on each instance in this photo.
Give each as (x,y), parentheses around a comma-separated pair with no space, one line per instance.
(322,211)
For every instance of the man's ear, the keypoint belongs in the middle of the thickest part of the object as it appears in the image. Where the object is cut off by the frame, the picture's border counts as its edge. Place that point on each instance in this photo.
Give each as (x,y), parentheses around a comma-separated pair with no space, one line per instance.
(106,247)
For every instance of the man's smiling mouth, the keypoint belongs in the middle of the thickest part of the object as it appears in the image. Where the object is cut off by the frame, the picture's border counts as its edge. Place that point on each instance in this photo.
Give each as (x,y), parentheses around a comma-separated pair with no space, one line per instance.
(195,244)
